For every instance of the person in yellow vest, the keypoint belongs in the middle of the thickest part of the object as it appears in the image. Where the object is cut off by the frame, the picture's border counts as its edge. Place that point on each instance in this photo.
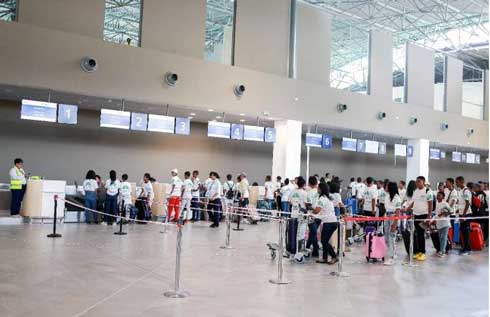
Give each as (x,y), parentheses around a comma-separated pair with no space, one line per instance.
(17,186)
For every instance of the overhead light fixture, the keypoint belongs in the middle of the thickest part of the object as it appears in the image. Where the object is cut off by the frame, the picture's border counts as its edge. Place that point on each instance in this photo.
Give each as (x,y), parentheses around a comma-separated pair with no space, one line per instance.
(192,113)
(242,120)
(296,98)
(242,114)
(190,117)
(210,110)
(218,117)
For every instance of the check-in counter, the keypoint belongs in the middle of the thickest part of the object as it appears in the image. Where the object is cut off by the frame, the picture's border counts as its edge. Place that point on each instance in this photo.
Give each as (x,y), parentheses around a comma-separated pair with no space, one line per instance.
(159,207)
(39,199)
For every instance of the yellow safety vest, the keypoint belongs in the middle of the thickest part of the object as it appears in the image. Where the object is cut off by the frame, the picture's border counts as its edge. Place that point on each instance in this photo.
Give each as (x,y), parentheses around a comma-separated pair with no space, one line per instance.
(16,184)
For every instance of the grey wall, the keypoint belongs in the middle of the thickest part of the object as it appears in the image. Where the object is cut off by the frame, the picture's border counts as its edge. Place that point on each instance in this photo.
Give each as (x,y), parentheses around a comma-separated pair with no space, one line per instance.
(58,151)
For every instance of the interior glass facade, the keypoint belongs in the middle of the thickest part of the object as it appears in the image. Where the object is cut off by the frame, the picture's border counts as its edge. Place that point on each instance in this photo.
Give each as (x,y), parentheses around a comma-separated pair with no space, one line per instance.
(122,22)
(399,65)
(439,82)
(8,10)
(473,92)
(219,31)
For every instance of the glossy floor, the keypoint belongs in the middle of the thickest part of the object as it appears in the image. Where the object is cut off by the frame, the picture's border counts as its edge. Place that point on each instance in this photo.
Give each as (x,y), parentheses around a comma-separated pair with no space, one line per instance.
(91,272)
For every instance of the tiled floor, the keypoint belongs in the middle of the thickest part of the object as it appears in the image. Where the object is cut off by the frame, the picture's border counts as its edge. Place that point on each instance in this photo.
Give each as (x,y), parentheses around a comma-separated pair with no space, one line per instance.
(91,272)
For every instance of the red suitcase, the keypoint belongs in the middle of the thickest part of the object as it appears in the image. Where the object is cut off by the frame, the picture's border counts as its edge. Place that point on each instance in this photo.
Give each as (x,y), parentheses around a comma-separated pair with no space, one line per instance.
(476,237)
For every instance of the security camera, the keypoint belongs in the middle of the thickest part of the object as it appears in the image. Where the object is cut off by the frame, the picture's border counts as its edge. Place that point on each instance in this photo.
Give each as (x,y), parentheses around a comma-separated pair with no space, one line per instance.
(171,79)
(381,115)
(239,90)
(444,126)
(88,64)
(470,131)
(341,107)
(413,120)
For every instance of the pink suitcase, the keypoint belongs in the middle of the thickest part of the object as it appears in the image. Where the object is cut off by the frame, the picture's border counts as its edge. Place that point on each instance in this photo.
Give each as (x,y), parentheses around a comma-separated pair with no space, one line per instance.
(375,247)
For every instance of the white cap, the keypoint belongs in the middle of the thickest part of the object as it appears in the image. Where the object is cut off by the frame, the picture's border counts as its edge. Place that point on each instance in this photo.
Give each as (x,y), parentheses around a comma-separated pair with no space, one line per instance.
(176,171)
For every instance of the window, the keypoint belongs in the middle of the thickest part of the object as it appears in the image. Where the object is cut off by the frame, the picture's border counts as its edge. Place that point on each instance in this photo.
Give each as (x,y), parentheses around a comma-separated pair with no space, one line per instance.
(219,31)
(122,22)
(439,82)
(349,63)
(473,90)
(399,64)
(8,10)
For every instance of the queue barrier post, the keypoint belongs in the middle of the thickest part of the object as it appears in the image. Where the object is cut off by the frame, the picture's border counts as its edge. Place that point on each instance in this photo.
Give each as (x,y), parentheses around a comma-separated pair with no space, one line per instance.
(166,220)
(341,248)
(238,219)
(55,219)
(412,233)
(280,272)
(177,292)
(122,214)
(228,227)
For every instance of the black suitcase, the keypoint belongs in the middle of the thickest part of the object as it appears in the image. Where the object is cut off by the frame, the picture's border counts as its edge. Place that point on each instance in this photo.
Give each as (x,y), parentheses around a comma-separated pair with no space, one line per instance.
(434,235)
(291,235)
(141,206)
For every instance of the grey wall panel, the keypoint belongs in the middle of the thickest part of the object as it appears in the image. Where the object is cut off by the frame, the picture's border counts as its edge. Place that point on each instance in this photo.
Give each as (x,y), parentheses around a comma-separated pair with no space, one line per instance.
(312,44)
(454,85)
(262,35)
(72,16)
(58,151)
(420,76)
(380,64)
(174,26)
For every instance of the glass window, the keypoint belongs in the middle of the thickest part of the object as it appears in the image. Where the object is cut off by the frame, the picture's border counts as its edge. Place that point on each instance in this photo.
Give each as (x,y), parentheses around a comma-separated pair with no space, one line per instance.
(399,64)
(8,10)
(349,63)
(473,90)
(122,22)
(219,31)
(439,82)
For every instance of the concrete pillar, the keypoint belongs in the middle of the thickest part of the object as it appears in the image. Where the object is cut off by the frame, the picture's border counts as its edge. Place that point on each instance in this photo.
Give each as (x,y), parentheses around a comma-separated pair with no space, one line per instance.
(286,156)
(381,65)
(418,163)
(420,76)
(454,85)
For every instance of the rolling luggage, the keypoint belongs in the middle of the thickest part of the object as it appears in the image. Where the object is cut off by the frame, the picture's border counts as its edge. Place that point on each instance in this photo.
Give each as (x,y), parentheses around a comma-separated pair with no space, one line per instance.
(291,233)
(375,247)
(454,233)
(143,212)
(476,237)
(434,235)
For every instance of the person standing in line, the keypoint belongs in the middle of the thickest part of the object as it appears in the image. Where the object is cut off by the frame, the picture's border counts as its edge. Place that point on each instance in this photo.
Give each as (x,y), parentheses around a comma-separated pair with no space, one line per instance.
(464,211)
(297,201)
(243,189)
(313,224)
(126,194)
(214,194)
(381,198)
(352,188)
(402,190)
(442,222)
(196,190)
(369,198)
(334,190)
(277,192)
(147,194)
(269,193)
(175,196)
(324,210)
(186,212)
(421,204)
(360,189)
(393,204)
(112,191)
(229,192)
(451,197)
(285,193)
(208,207)
(328,178)
(90,192)
(18,185)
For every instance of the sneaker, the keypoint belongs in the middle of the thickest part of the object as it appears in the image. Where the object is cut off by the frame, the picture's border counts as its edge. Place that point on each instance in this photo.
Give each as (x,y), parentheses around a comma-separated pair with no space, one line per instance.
(15,216)
(465,253)
(421,257)
(389,262)
(440,254)
(416,255)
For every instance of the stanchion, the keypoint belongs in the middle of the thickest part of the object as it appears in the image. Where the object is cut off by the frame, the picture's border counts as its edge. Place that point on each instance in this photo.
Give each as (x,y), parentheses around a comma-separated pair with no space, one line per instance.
(177,292)
(228,228)
(280,278)
(410,254)
(122,214)
(340,272)
(166,221)
(55,219)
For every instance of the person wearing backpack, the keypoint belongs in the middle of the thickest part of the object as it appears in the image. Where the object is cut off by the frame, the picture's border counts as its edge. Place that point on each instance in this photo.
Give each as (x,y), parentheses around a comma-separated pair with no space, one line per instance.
(464,211)
(229,191)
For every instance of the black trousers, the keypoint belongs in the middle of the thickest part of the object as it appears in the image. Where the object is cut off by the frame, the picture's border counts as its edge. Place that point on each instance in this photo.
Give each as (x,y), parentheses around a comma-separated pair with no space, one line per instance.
(16,201)
(420,236)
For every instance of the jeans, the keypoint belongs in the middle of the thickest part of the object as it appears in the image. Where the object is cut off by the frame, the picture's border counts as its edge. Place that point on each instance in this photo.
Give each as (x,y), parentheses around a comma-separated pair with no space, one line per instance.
(420,234)
(216,207)
(185,209)
(465,232)
(90,203)
(327,231)
(196,213)
(313,236)
(443,238)
(285,208)
(110,208)
(389,237)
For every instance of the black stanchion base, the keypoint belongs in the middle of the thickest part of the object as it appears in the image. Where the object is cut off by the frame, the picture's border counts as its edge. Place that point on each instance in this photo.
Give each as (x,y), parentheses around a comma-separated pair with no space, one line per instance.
(237,229)
(120,233)
(54,235)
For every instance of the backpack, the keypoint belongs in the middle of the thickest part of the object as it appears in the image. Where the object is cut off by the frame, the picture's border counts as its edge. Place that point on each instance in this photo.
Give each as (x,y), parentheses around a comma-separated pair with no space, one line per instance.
(230,193)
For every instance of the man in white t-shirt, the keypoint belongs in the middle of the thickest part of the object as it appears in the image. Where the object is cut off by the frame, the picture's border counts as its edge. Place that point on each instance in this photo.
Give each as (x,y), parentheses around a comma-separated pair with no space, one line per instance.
(352,187)
(125,191)
(402,190)
(186,212)
(196,191)
(360,188)
(369,198)
(464,211)
(175,196)
(421,204)
(269,192)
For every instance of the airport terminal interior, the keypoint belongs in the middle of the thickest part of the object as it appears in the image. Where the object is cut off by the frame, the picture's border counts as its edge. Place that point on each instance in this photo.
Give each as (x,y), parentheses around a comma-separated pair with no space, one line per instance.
(244,157)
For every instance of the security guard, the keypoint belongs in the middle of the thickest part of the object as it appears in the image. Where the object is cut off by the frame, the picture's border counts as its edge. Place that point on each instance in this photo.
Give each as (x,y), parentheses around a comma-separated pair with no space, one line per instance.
(17,186)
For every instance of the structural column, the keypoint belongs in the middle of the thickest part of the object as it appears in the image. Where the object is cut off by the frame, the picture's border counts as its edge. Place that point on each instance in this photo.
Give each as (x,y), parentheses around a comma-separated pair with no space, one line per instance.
(286,157)
(418,163)
(419,87)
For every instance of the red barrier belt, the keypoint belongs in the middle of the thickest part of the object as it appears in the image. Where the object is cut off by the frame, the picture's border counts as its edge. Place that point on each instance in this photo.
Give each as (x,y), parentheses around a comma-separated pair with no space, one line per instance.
(364,219)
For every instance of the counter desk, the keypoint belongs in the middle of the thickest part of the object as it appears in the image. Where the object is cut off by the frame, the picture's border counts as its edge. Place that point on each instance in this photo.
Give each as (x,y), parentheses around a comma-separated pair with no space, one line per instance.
(39,199)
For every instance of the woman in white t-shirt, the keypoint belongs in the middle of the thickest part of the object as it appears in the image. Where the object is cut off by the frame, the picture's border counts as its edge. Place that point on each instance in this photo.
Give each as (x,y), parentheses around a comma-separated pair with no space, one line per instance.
(90,191)
(269,192)
(285,193)
(325,211)
(393,204)
(334,193)
(112,190)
